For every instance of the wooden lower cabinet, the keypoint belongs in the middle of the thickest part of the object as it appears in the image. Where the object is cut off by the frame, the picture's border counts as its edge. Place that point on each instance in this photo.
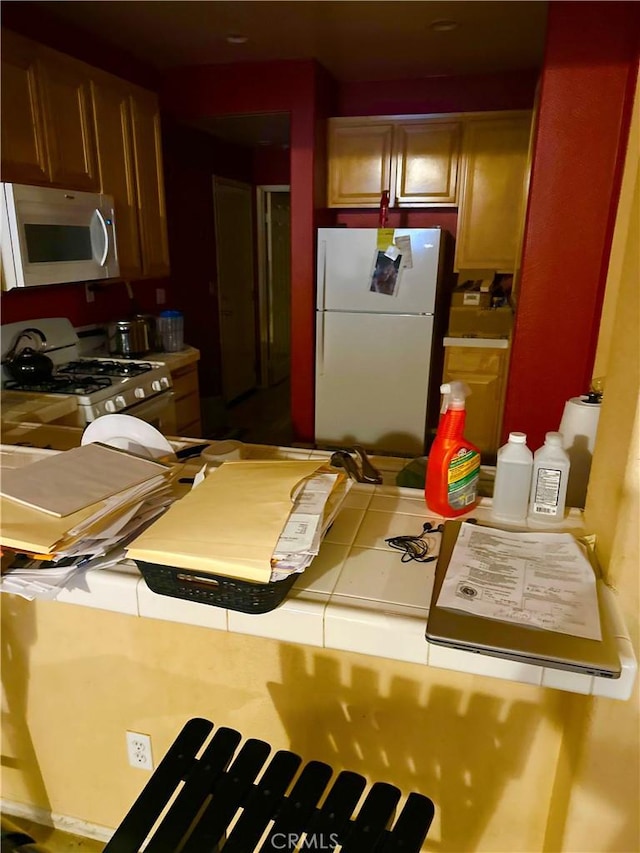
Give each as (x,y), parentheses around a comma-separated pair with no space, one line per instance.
(186,392)
(484,370)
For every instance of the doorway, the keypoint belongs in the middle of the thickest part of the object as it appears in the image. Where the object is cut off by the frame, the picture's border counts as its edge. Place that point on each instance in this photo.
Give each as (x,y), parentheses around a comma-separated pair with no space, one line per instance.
(233,218)
(273,205)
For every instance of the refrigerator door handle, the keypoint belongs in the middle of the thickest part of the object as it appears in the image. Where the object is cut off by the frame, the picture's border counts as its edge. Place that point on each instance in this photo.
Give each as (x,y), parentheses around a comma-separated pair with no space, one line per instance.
(322,273)
(320,347)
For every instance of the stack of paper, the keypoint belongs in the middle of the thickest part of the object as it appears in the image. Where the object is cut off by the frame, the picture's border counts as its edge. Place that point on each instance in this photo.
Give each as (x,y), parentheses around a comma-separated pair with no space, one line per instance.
(256,520)
(71,510)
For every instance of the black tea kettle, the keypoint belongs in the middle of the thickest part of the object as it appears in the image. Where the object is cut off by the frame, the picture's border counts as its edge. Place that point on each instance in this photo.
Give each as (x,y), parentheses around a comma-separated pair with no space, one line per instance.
(28,366)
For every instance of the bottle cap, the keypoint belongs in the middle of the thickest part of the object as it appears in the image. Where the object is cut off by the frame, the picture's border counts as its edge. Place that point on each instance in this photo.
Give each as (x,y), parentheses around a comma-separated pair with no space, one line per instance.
(169,313)
(554,439)
(518,437)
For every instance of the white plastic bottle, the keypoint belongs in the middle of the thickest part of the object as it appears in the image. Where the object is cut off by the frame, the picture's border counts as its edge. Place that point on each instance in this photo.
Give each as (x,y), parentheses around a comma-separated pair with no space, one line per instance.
(513,480)
(549,481)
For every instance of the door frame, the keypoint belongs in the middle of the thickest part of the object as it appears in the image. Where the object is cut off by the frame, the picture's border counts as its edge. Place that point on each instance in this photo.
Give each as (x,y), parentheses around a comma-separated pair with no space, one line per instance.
(262,230)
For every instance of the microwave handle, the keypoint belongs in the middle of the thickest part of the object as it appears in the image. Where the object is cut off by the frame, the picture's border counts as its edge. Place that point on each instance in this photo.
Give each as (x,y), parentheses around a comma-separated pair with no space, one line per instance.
(105,234)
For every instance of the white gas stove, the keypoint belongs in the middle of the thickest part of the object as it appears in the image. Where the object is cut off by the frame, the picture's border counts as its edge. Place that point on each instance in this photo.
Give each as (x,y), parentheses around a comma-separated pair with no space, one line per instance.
(102,385)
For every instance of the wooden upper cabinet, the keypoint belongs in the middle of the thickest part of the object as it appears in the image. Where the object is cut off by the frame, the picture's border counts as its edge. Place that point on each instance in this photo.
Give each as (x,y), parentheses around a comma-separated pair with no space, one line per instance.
(152,217)
(69,124)
(493,192)
(359,162)
(112,113)
(415,160)
(24,148)
(427,154)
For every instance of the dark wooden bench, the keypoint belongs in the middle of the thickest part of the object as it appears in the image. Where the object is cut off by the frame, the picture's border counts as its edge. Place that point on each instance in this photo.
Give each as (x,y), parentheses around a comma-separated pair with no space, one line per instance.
(194,804)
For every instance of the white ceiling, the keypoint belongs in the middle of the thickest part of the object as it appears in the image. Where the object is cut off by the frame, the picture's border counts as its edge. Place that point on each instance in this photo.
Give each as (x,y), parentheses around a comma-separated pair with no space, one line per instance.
(354,41)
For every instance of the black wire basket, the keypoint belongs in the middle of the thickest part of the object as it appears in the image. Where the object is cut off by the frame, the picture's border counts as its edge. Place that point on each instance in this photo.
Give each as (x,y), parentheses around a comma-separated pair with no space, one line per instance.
(218,590)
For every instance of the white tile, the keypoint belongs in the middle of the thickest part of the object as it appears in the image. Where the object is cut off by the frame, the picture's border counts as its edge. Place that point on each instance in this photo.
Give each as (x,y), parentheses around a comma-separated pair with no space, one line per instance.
(409,504)
(323,573)
(171,609)
(359,497)
(389,463)
(263,451)
(106,589)
(377,527)
(382,576)
(345,527)
(396,633)
(623,687)
(481,664)
(299,619)
(616,619)
(574,682)
(320,454)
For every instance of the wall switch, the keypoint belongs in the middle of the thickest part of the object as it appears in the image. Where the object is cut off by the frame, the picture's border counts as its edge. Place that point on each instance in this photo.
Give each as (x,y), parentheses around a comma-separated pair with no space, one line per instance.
(161,296)
(91,297)
(139,750)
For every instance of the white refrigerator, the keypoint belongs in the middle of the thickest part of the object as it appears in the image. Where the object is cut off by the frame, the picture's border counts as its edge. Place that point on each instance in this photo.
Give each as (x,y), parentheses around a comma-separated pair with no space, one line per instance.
(375,311)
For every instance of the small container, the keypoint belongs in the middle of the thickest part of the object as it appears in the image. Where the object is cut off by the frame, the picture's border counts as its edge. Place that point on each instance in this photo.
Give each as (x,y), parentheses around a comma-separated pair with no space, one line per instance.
(171,330)
(513,480)
(549,481)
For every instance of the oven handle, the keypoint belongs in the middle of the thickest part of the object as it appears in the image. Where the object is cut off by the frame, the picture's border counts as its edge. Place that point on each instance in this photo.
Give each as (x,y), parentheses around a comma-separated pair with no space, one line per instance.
(151,408)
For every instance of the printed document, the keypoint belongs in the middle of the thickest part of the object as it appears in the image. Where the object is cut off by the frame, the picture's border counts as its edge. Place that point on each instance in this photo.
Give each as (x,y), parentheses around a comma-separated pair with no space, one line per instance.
(543,580)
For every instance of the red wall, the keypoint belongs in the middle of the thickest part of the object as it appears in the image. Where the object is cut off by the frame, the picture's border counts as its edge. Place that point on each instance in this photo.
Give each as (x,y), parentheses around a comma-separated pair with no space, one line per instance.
(271,166)
(585,103)
(69,300)
(480,92)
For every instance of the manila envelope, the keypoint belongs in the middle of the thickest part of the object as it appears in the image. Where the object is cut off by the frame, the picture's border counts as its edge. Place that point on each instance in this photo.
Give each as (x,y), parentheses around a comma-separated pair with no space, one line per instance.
(229,524)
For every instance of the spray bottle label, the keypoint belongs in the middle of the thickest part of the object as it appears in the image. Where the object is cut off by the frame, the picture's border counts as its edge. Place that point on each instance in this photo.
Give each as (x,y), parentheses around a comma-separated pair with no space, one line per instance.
(462,478)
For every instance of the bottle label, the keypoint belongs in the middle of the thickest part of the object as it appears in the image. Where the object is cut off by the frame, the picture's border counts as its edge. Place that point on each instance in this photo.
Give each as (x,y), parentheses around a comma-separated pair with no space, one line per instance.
(462,478)
(547,491)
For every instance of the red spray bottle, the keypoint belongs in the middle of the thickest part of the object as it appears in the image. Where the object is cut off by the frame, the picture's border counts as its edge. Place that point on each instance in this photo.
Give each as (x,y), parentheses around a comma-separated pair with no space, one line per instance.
(453,465)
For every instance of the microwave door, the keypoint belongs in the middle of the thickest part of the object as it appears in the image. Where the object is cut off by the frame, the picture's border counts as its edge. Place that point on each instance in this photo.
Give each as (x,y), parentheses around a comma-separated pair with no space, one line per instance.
(61,237)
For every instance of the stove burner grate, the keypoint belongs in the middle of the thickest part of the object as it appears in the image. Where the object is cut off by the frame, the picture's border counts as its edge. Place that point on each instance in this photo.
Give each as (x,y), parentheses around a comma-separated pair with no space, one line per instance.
(80,385)
(106,367)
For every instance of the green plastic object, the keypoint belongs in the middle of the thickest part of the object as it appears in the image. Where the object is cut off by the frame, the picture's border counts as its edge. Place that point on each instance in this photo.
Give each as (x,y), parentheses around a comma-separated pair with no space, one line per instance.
(413,475)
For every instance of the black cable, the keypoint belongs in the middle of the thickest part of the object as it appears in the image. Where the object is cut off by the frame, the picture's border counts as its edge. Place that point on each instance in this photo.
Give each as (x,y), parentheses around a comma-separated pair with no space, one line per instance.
(416,547)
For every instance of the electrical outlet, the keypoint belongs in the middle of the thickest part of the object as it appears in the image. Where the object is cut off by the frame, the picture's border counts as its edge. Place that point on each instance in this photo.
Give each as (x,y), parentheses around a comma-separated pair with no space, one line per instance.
(139,750)
(161,296)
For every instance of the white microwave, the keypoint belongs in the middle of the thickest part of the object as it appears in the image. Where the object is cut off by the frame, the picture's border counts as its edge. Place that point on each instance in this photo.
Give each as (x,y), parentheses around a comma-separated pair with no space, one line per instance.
(51,236)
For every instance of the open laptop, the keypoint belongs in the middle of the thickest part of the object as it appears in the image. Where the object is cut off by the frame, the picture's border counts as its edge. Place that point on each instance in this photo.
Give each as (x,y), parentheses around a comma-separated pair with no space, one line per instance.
(465,631)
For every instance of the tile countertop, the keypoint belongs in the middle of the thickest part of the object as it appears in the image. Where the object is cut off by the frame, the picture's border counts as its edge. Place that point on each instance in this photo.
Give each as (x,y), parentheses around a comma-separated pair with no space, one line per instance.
(175,360)
(20,406)
(357,595)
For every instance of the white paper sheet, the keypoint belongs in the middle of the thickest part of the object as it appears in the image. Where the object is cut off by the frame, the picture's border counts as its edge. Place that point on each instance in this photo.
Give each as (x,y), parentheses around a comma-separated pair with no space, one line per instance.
(543,580)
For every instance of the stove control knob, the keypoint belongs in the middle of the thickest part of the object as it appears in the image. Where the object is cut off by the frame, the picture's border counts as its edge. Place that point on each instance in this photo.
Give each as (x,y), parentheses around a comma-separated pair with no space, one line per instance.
(139,393)
(156,386)
(109,406)
(164,382)
(120,402)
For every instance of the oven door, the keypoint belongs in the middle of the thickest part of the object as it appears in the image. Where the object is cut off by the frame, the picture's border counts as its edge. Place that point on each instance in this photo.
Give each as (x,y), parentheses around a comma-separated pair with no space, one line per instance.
(159,411)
